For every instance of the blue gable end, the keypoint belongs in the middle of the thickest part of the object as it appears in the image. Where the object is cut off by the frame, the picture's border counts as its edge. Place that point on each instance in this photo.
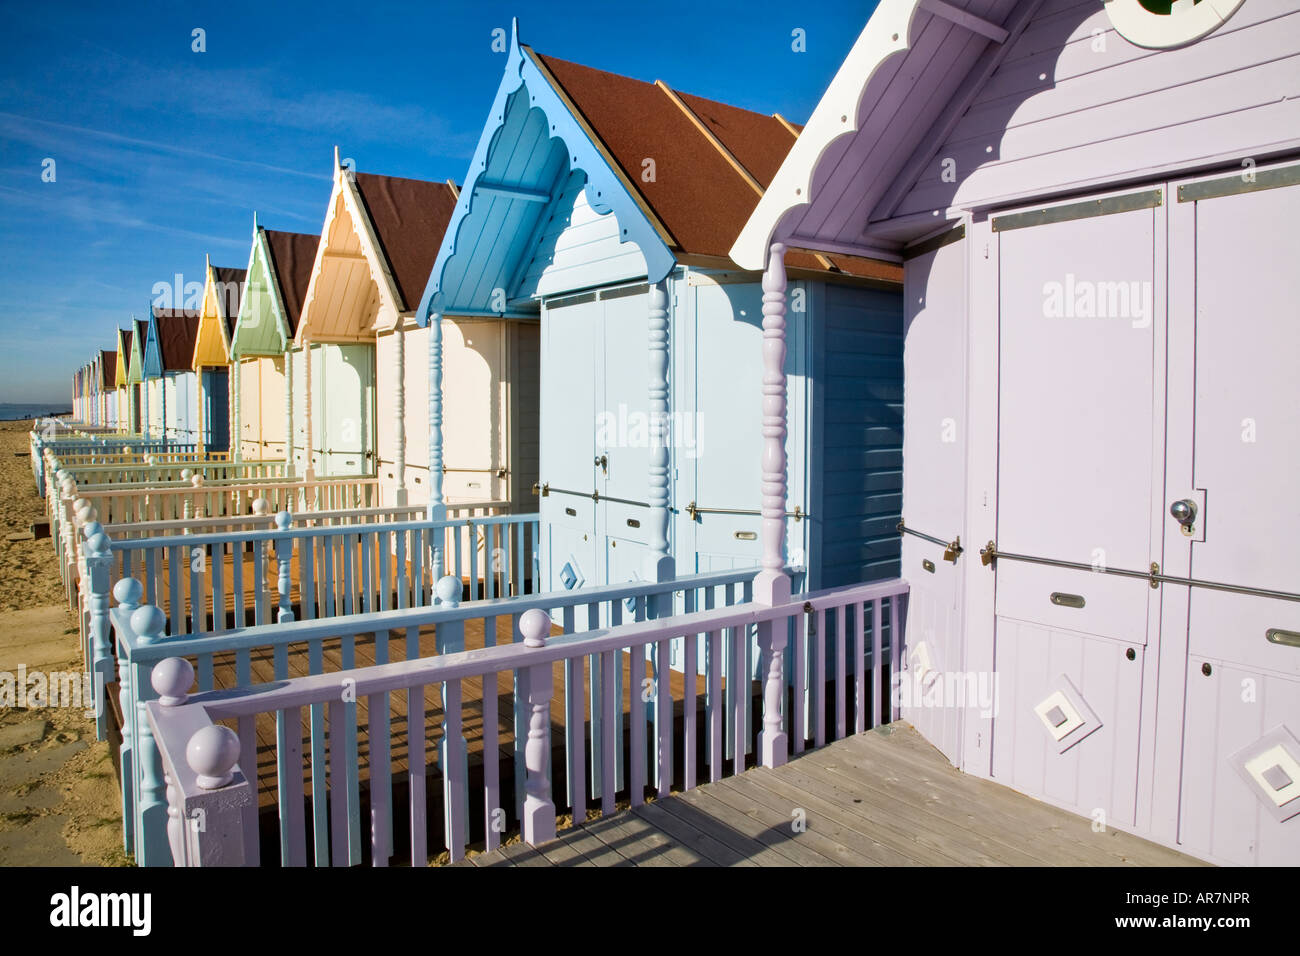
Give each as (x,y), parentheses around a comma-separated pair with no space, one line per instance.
(528,153)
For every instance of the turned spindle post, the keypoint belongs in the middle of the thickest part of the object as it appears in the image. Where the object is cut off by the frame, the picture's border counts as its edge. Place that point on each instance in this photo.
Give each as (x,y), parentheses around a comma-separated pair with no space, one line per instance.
(539,808)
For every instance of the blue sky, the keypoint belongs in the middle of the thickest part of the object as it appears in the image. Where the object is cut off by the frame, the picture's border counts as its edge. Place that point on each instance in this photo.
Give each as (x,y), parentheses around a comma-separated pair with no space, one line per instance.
(161,153)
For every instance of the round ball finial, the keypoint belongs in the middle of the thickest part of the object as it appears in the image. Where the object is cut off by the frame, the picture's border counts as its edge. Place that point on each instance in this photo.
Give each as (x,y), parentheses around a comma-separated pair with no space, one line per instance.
(211,753)
(448,590)
(535,625)
(148,459)
(283,519)
(92,528)
(261,506)
(100,543)
(127,449)
(62,474)
(148,622)
(172,679)
(197,481)
(186,474)
(128,592)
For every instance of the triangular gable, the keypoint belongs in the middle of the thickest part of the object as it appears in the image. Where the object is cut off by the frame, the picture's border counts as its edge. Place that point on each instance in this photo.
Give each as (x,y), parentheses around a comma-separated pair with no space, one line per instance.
(152,367)
(123,356)
(553,120)
(937,113)
(378,244)
(222,291)
(135,365)
(279,272)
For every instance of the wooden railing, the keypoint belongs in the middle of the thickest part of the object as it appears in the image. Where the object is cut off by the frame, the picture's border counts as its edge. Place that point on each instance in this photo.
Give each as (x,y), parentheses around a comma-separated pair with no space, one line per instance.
(141,642)
(137,476)
(198,794)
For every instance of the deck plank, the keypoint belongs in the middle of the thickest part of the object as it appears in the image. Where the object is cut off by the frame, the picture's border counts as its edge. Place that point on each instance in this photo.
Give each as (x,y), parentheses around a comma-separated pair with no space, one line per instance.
(885,797)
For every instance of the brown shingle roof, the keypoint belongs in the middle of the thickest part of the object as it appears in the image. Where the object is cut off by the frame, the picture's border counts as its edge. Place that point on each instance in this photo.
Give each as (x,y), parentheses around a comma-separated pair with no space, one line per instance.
(177,331)
(293,254)
(409,217)
(701,199)
(230,289)
(108,367)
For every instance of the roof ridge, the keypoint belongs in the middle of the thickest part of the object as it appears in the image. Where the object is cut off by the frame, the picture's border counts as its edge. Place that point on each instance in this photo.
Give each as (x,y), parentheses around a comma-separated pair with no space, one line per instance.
(711,137)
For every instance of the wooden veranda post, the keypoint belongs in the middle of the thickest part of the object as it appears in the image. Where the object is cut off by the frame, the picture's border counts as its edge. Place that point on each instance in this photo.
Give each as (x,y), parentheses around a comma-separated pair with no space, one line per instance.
(772,585)
(399,394)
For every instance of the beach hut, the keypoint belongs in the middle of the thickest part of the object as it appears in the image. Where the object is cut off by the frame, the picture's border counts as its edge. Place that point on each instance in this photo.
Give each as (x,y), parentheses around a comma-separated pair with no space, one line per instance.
(135,378)
(168,368)
(597,214)
(125,407)
(222,290)
(279,270)
(1093,205)
(108,388)
(379,240)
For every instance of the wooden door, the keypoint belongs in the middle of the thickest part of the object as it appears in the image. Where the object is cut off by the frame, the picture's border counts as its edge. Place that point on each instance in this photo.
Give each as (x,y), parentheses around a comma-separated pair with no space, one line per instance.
(1243,420)
(1080,478)
(346,409)
(570,372)
(473,361)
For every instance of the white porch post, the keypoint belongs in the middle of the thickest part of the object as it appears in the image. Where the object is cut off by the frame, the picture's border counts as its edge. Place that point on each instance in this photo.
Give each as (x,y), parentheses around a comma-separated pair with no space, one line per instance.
(308,468)
(198,407)
(236,437)
(660,565)
(437,507)
(772,585)
(288,412)
(232,403)
(399,393)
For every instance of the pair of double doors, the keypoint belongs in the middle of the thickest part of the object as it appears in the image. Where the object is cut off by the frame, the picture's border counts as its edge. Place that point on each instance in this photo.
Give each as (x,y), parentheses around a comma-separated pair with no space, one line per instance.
(1149,450)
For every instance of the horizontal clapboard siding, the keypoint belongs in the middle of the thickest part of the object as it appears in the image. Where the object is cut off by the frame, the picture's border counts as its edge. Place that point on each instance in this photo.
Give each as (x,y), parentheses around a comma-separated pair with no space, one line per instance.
(578,248)
(862,435)
(1070,109)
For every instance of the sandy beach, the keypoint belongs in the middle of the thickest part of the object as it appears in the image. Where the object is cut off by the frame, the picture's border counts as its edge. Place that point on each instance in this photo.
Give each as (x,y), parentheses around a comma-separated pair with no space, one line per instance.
(29,572)
(59,802)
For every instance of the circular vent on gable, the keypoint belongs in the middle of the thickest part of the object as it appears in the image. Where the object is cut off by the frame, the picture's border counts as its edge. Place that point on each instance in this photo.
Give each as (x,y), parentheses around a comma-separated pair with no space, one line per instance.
(1159,24)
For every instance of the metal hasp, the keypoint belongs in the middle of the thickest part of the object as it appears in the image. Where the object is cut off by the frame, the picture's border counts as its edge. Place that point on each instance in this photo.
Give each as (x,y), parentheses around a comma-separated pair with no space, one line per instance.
(989,555)
(1275,635)
(951,549)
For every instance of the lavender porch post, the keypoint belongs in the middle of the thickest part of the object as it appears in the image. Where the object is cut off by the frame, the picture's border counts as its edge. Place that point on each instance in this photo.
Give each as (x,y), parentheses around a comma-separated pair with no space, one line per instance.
(539,809)
(772,585)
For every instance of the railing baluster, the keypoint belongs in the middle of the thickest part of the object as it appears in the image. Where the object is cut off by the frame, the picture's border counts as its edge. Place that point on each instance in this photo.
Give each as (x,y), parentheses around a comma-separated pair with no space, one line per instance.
(839,672)
(799,662)
(713,667)
(455,774)
(288,771)
(664,719)
(416,779)
(380,781)
(857,614)
(897,621)
(637,767)
(493,812)
(690,666)
(876,669)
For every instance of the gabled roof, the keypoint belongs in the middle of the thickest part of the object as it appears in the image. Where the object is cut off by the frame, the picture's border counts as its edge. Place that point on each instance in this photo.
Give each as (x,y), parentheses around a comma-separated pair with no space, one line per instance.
(177,330)
(712,162)
(292,256)
(409,217)
(108,368)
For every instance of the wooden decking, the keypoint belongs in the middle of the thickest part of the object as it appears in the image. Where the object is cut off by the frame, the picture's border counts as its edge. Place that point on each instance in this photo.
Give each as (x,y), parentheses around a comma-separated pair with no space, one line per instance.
(884,798)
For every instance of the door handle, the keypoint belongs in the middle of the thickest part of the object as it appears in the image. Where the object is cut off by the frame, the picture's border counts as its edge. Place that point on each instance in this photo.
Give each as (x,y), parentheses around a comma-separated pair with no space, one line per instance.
(603,461)
(1184,512)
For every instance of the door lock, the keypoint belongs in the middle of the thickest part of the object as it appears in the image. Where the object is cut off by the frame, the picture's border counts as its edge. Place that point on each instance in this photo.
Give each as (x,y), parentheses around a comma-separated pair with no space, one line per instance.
(1184,512)
(603,461)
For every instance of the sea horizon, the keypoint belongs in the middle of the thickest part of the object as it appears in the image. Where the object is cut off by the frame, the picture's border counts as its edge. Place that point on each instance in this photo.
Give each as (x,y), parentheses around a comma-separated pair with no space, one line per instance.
(16,411)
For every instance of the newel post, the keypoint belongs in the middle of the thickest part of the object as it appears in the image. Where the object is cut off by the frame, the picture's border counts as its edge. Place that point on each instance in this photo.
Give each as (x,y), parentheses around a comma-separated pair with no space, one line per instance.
(283,559)
(660,566)
(127,592)
(99,559)
(539,808)
(149,626)
(772,585)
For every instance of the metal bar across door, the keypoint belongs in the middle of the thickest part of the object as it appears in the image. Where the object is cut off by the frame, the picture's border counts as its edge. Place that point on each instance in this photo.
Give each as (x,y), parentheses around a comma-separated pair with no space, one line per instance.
(990,553)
